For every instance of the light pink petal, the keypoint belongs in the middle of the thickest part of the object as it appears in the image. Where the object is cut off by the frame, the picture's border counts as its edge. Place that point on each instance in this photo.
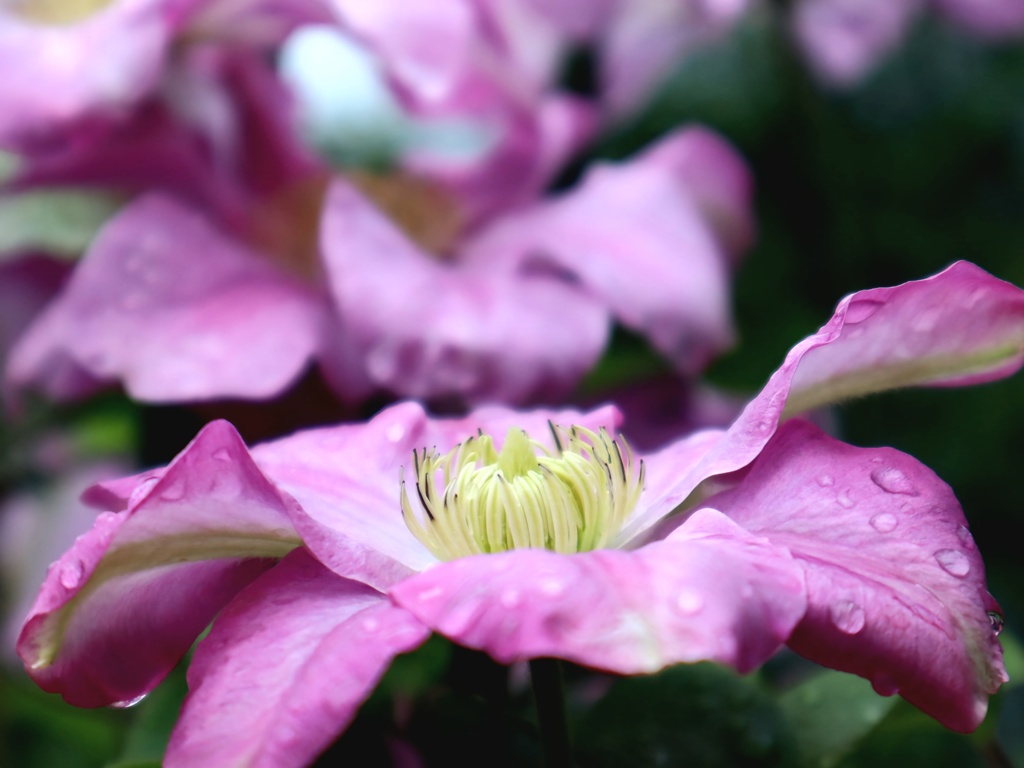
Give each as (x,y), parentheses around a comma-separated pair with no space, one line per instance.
(177,311)
(636,236)
(346,480)
(429,329)
(998,19)
(285,668)
(122,606)
(895,584)
(647,38)
(845,39)
(54,83)
(424,47)
(710,592)
(959,327)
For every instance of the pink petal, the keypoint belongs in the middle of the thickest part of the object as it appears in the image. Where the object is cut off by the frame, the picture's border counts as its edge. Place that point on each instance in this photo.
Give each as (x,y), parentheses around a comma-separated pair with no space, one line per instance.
(286,666)
(896,586)
(709,592)
(169,305)
(959,327)
(53,82)
(845,39)
(647,38)
(122,606)
(635,236)
(346,480)
(429,329)
(996,19)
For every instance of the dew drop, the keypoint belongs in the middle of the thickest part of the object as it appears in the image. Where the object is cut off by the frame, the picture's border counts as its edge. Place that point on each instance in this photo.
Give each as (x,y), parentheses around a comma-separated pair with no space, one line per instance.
(106,518)
(861,310)
(383,363)
(429,594)
(892,480)
(826,480)
(222,454)
(997,622)
(173,492)
(395,432)
(953,562)
(885,685)
(926,321)
(128,702)
(370,625)
(552,587)
(71,574)
(845,501)
(847,616)
(689,601)
(965,537)
(884,522)
(975,296)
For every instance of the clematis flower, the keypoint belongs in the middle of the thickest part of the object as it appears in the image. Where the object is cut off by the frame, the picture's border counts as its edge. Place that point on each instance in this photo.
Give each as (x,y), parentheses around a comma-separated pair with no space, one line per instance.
(321,556)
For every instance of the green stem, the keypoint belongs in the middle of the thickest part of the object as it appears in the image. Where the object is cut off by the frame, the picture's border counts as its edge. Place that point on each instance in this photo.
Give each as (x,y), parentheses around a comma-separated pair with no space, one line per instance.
(549,695)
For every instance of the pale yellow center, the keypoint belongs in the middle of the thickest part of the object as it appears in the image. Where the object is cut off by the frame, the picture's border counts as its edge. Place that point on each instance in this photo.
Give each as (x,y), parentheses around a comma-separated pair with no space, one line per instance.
(475,500)
(55,12)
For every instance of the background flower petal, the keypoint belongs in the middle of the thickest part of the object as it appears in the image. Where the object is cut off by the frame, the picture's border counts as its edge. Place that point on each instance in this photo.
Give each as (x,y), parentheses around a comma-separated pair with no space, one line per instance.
(175,309)
(286,666)
(493,336)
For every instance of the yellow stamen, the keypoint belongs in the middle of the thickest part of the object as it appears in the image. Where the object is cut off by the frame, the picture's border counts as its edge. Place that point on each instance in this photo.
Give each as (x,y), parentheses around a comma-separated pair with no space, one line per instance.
(573,499)
(56,12)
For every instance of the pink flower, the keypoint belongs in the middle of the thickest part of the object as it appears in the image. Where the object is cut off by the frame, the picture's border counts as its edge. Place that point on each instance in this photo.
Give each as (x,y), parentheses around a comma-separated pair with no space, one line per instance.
(724,546)
(448,283)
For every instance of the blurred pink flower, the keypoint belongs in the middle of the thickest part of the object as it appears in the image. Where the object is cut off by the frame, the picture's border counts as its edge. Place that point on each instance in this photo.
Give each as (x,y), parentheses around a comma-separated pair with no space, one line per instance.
(743,539)
(445,282)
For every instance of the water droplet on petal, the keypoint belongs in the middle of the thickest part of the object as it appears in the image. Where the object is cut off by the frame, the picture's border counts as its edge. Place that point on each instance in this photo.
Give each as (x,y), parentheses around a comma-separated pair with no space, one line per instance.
(106,518)
(953,562)
(892,480)
(383,363)
(847,616)
(395,432)
(884,685)
(846,501)
(689,601)
(861,309)
(429,594)
(173,491)
(826,480)
(965,537)
(997,622)
(975,296)
(71,574)
(925,321)
(552,587)
(128,702)
(884,522)
(510,598)
(370,625)
(222,454)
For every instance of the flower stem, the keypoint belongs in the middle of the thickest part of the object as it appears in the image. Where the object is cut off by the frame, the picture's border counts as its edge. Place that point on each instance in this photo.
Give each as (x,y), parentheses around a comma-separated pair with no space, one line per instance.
(549,695)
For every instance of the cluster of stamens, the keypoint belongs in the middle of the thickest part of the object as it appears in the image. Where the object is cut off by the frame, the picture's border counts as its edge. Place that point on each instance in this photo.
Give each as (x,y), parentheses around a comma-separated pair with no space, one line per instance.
(476,500)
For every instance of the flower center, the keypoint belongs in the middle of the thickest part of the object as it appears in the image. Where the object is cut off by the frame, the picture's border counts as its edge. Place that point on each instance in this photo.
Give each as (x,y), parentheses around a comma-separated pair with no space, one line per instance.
(55,12)
(574,499)
(423,211)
